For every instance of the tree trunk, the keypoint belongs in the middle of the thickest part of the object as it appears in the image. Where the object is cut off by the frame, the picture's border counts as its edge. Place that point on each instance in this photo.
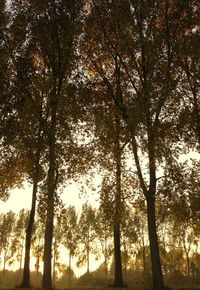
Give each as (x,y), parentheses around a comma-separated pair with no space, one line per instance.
(158,283)
(143,256)
(187,256)
(69,268)
(21,257)
(4,266)
(26,272)
(46,281)
(105,263)
(125,261)
(54,267)
(118,278)
(88,260)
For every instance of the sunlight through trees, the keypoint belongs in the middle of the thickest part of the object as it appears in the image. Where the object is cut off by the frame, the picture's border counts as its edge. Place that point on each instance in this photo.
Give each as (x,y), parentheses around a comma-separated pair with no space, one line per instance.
(107,88)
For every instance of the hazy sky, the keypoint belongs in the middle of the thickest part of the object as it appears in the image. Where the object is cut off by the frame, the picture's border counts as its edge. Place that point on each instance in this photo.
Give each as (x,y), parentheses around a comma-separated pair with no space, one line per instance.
(21,197)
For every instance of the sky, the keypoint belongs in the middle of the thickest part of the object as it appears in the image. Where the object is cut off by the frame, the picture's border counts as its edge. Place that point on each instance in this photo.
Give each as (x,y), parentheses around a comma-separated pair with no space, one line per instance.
(21,197)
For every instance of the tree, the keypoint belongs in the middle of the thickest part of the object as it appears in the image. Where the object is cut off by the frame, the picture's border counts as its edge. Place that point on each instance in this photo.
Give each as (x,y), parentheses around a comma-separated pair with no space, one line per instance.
(37,249)
(19,233)
(23,123)
(182,185)
(140,78)
(49,22)
(103,233)
(57,239)
(86,235)
(7,237)
(70,235)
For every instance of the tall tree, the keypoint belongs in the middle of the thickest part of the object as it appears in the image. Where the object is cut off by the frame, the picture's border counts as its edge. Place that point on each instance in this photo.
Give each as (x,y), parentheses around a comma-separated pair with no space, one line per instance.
(54,28)
(140,77)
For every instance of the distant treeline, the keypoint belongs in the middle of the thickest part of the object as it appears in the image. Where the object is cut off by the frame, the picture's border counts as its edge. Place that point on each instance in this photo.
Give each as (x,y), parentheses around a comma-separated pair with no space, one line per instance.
(88,235)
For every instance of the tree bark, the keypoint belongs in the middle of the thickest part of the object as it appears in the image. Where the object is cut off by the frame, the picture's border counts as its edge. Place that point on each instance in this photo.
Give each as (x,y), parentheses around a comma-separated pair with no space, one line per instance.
(105,263)
(26,272)
(69,268)
(118,278)
(158,283)
(143,256)
(54,267)
(47,269)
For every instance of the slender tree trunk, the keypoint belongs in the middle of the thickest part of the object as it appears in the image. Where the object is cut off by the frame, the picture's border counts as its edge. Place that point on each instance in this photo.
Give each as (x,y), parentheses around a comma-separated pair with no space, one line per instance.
(4,266)
(106,263)
(54,267)
(88,260)
(187,256)
(69,268)
(125,260)
(118,278)
(26,272)
(21,257)
(158,283)
(143,256)
(46,281)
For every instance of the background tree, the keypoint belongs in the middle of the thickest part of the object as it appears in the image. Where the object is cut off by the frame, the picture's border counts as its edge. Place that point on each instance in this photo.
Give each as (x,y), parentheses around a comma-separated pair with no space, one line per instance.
(70,235)
(86,234)
(103,233)
(8,245)
(37,249)
(19,233)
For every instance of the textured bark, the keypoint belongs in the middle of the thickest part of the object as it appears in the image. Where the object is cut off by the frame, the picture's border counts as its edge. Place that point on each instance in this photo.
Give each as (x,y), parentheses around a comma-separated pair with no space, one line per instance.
(118,278)
(158,283)
(46,281)
(26,272)
(106,264)
(54,267)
